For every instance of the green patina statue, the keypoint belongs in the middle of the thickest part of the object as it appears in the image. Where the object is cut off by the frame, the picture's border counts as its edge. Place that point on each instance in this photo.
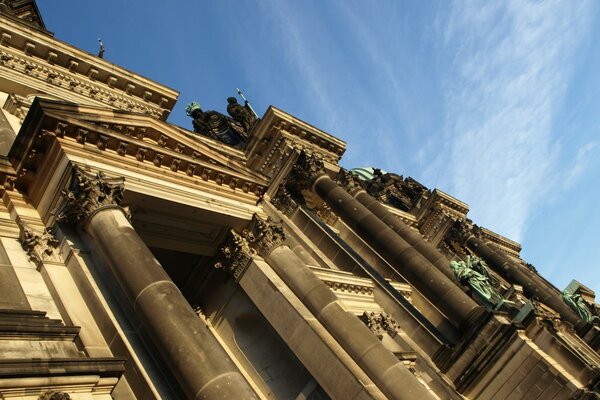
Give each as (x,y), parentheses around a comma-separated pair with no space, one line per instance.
(580,306)
(474,273)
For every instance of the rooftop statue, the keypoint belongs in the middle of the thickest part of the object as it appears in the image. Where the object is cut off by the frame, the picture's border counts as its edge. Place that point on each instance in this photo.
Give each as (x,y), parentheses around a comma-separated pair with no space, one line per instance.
(580,306)
(217,126)
(242,114)
(475,274)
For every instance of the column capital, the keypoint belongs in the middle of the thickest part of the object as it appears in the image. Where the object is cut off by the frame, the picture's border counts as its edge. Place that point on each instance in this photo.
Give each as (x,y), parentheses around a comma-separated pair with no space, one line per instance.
(235,255)
(259,239)
(87,194)
(264,235)
(304,173)
(350,182)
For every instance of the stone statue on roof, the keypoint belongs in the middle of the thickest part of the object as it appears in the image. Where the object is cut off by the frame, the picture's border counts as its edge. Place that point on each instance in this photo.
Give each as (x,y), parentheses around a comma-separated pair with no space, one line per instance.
(216,126)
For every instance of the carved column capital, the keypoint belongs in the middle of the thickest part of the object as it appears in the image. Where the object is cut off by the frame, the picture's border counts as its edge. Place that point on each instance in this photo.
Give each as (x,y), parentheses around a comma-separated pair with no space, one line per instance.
(88,193)
(39,245)
(350,182)
(264,235)
(259,239)
(307,169)
(235,255)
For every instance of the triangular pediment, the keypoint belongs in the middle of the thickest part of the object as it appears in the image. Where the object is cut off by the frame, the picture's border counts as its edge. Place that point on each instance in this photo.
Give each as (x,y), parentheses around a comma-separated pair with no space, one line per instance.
(140,141)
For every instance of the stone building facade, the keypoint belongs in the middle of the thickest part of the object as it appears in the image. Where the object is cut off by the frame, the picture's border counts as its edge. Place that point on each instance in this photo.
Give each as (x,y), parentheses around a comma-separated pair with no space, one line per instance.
(140,260)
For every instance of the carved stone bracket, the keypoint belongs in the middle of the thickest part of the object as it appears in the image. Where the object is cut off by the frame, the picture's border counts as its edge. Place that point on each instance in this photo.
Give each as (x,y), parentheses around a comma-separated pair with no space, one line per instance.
(235,255)
(87,194)
(380,323)
(40,246)
(304,173)
(350,182)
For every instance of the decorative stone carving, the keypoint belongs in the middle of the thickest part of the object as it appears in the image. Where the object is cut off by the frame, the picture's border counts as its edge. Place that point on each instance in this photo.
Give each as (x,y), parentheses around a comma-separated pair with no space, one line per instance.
(307,169)
(381,323)
(397,191)
(39,246)
(350,182)
(580,306)
(51,395)
(264,235)
(235,255)
(87,194)
(283,200)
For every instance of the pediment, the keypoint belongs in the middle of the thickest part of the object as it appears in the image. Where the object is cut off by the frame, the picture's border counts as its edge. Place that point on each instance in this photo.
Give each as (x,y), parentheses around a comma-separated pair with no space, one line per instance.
(135,139)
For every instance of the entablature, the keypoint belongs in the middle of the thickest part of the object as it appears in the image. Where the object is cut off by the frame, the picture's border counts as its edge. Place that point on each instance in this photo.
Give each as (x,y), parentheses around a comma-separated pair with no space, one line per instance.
(278,134)
(37,60)
(154,157)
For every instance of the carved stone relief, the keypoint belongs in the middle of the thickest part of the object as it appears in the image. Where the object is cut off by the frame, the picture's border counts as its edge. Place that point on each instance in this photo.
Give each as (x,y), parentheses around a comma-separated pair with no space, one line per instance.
(40,246)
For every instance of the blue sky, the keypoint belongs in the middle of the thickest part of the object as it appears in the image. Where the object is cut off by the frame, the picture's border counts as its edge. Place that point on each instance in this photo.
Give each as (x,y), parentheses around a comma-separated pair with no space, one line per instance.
(495,103)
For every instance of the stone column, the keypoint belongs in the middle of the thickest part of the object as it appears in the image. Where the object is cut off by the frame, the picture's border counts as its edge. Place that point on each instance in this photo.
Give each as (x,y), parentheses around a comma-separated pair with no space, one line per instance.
(533,285)
(380,365)
(194,356)
(413,238)
(444,293)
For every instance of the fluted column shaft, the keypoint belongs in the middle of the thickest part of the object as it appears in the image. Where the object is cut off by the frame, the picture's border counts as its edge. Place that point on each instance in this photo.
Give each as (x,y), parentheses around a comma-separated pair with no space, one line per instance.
(413,238)
(386,371)
(459,308)
(512,273)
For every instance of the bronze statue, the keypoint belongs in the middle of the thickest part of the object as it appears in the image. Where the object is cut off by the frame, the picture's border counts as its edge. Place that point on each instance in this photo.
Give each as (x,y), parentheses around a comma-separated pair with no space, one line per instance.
(580,306)
(216,126)
(474,274)
(242,114)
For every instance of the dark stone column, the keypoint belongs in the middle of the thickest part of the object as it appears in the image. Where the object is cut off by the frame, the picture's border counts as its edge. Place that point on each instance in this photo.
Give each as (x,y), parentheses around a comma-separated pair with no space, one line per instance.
(455,304)
(384,369)
(533,286)
(194,356)
(413,238)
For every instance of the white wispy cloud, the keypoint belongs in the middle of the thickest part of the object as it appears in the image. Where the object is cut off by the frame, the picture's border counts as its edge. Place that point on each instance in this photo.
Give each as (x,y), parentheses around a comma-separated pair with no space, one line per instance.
(510,64)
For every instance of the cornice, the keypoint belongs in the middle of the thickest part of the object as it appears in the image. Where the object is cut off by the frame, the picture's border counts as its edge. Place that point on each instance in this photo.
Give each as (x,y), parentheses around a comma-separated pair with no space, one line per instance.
(166,153)
(42,60)
(509,246)
(279,134)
